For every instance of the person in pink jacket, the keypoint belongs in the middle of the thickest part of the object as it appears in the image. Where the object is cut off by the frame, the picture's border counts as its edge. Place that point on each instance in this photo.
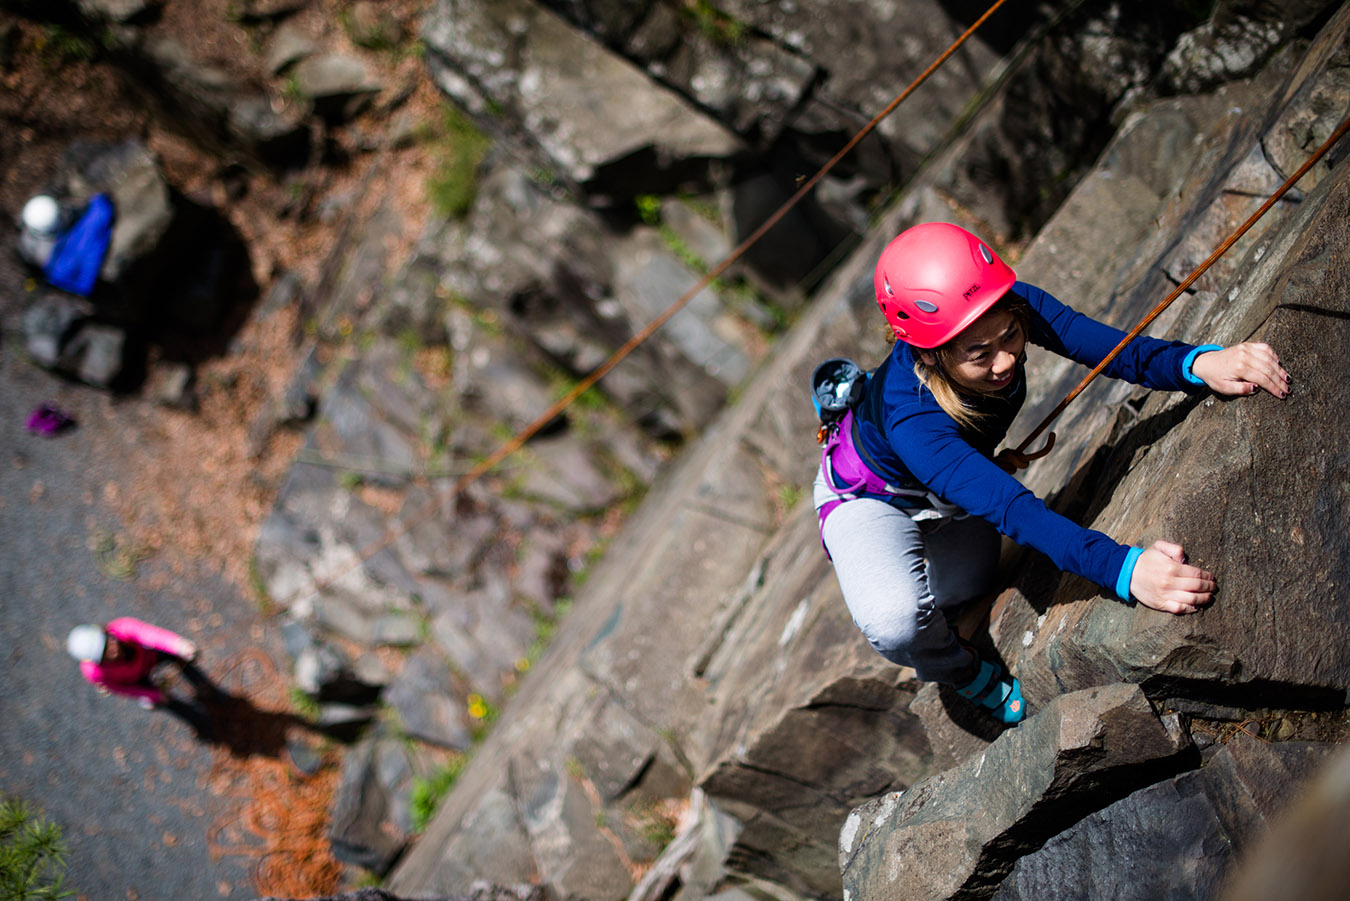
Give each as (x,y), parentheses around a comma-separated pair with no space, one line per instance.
(122,657)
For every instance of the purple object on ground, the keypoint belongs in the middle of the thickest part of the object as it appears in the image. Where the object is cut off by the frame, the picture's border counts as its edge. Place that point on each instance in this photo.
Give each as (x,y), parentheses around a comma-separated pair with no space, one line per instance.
(48,420)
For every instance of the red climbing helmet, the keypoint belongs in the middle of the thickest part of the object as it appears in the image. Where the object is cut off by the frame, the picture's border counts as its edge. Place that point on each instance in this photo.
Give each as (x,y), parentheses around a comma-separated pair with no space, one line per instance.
(935,279)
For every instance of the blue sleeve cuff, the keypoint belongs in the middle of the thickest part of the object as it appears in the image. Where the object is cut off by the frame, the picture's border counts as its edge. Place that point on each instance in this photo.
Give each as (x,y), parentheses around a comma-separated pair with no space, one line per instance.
(1187,363)
(1126,573)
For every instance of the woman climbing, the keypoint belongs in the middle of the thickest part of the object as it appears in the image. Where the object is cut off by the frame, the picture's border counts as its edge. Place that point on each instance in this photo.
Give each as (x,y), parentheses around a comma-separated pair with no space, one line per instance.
(910,494)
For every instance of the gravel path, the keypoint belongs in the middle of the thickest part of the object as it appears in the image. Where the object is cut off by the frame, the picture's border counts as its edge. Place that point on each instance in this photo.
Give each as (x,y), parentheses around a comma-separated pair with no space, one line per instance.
(135,793)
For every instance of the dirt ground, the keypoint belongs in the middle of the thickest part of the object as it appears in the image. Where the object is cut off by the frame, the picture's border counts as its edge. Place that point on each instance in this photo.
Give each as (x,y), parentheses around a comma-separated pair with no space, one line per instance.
(155,511)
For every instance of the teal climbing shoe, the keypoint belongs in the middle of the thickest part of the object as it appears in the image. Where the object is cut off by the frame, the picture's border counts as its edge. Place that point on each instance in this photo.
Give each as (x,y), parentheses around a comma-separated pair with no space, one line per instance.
(996,691)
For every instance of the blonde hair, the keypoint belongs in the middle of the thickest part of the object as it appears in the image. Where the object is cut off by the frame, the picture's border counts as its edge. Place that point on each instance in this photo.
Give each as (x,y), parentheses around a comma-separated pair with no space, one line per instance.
(954,400)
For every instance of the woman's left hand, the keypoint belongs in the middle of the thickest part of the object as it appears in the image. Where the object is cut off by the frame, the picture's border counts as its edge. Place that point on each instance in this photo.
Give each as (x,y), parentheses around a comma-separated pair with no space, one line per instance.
(1242,369)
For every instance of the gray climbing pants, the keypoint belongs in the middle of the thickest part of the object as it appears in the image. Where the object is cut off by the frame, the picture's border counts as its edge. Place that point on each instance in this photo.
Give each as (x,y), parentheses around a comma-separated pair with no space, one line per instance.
(902,577)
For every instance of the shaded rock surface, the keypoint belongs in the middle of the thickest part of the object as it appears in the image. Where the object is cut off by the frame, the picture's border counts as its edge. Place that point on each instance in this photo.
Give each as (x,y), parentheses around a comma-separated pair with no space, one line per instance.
(715,622)
(958,833)
(1174,839)
(707,718)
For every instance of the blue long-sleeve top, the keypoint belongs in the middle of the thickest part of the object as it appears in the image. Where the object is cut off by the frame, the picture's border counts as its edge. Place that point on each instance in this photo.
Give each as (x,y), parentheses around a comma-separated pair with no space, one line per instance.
(910,439)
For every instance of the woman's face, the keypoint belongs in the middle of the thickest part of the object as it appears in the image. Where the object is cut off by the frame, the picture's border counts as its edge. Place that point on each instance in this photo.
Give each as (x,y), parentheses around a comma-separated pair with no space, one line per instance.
(115,651)
(984,357)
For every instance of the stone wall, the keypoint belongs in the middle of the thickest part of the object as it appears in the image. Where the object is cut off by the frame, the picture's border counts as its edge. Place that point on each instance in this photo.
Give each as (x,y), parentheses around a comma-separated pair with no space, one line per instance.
(710,653)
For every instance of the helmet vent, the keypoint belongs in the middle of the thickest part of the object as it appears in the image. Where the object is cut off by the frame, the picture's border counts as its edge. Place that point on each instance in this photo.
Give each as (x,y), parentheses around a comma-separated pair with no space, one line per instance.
(886,283)
(988,257)
(926,305)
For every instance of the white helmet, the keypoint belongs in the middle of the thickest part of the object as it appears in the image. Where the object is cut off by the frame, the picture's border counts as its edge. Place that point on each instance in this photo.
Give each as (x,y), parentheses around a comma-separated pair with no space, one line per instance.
(42,215)
(86,643)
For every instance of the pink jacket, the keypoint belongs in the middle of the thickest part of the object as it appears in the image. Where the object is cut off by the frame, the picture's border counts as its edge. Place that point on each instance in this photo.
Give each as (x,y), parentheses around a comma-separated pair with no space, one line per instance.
(131,677)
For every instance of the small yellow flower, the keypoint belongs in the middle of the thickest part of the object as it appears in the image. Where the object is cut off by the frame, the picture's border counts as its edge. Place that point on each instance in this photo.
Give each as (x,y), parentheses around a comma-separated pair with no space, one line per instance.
(522,664)
(477,707)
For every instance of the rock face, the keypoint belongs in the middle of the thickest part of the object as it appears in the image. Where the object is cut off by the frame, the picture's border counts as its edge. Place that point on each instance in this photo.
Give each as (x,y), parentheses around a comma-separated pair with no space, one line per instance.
(711,645)
(706,721)
(968,825)
(564,91)
(1176,838)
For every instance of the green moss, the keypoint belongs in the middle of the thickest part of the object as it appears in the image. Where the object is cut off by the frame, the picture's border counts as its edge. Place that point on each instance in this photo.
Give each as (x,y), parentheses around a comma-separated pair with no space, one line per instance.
(459,150)
(655,825)
(426,794)
(303,703)
(59,45)
(720,27)
(266,605)
(648,208)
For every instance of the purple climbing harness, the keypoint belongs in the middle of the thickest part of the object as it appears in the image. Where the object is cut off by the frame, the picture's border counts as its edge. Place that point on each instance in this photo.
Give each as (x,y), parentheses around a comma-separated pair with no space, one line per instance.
(849,476)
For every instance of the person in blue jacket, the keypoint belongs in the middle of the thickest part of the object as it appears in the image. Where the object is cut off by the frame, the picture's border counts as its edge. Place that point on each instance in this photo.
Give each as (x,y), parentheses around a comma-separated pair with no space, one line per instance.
(911,495)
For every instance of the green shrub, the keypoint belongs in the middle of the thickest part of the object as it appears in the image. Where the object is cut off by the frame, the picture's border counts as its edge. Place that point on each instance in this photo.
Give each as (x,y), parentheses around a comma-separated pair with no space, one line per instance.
(32,855)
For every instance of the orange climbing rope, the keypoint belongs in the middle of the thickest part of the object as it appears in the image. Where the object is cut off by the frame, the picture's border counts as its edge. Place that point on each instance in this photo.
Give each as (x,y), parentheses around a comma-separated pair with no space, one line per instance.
(1176,292)
(525,434)
(278,817)
(632,343)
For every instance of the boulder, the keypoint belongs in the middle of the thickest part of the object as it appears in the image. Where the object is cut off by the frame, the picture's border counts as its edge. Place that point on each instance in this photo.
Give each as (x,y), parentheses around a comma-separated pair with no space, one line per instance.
(48,323)
(429,706)
(957,834)
(337,83)
(362,830)
(589,115)
(96,354)
(287,45)
(747,79)
(141,199)
(1177,838)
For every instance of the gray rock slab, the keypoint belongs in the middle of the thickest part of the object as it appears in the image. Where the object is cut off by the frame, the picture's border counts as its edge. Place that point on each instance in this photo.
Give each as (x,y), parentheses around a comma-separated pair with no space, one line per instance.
(615,750)
(1174,840)
(332,74)
(113,10)
(570,837)
(563,471)
(354,430)
(803,719)
(649,277)
(129,173)
(886,45)
(641,647)
(358,830)
(95,354)
(747,79)
(1162,842)
(47,323)
(1276,562)
(287,46)
(584,106)
(958,834)
(428,705)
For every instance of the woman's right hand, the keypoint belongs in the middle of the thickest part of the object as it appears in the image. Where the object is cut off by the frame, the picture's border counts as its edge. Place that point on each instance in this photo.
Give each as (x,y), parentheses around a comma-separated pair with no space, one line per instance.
(1163,580)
